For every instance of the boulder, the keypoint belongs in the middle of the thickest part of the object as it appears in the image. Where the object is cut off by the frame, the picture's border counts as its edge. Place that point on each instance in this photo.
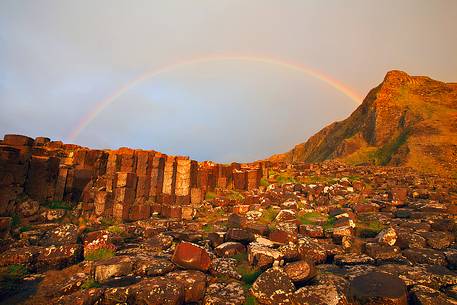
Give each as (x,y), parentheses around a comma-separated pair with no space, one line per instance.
(273,287)
(157,291)
(301,271)
(112,267)
(387,236)
(194,283)
(191,256)
(423,295)
(377,288)
(222,293)
(225,267)
(229,249)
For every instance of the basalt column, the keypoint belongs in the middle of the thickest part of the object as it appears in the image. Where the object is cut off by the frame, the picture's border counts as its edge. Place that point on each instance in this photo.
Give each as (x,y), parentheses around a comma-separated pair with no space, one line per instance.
(15,155)
(169,181)
(124,195)
(183,180)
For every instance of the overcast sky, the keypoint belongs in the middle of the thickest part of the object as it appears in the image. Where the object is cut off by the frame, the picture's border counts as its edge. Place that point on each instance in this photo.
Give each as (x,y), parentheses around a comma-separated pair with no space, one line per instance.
(59,58)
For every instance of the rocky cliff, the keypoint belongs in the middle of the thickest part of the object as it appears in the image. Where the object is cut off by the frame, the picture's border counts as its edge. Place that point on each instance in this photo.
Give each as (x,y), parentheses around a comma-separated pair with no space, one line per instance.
(125,184)
(406,120)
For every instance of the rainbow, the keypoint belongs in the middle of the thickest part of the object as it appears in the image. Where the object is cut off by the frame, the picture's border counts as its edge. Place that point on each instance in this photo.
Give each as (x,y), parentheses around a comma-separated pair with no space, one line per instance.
(104,103)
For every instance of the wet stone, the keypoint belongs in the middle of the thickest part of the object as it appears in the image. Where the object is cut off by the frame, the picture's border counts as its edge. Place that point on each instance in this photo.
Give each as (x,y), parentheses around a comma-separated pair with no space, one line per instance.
(225,267)
(194,283)
(378,288)
(191,256)
(300,271)
(273,287)
(224,294)
(423,295)
(157,291)
(425,256)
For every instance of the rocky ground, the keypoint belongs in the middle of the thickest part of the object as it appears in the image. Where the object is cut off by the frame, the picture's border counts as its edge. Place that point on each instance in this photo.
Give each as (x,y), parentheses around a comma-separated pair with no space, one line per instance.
(311,234)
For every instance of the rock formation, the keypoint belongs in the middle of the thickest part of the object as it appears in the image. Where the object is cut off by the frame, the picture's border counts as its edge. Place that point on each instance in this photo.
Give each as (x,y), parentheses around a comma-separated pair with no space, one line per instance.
(406,120)
(124,184)
(105,227)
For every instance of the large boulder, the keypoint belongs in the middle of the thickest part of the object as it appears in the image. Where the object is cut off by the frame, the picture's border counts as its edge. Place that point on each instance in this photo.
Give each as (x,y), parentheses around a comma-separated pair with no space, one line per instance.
(156,291)
(273,287)
(112,267)
(377,288)
(191,256)
(300,271)
(194,283)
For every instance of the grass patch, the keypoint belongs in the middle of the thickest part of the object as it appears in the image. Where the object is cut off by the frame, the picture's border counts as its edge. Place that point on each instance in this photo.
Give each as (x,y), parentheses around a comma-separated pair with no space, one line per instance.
(248,273)
(385,153)
(283,178)
(17,271)
(234,195)
(90,283)
(328,225)
(99,254)
(115,230)
(107,222)
(268,215)
(208,228)
(59,204)
(15,220)
(250,300)
(311,218)
(264,182)
(368,229)
(25,229)
(316,179)
(210,195)
(11,278)
(315,218)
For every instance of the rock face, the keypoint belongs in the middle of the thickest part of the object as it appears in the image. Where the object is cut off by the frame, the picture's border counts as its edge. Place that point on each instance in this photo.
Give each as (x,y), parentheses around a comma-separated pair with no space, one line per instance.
(124,184)
(406,120)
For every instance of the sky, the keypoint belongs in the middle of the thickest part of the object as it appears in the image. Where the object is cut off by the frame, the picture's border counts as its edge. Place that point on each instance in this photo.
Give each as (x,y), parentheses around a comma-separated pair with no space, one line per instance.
(215,80)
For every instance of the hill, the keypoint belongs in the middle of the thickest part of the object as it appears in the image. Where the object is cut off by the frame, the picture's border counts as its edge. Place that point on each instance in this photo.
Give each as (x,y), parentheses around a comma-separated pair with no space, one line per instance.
(406,120)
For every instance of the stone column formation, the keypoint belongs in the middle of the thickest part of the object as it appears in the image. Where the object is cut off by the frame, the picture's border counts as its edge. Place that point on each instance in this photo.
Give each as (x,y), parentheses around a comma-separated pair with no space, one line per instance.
(124,184)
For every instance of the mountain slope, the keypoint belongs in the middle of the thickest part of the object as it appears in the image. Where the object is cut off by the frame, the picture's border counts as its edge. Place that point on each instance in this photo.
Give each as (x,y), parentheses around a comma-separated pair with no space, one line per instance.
(406,120)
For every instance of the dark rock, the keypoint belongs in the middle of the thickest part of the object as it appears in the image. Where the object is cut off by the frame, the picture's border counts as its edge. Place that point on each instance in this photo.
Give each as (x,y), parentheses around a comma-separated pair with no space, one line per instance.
(378,288)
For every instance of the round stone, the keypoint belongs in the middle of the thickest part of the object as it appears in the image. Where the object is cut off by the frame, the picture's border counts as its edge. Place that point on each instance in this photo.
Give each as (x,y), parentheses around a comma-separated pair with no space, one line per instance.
(378,288)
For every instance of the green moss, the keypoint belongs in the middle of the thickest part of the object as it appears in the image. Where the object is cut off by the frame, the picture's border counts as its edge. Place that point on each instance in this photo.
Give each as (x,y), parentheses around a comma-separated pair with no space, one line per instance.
(241,257)
(283,177)
(208,228)
(264,182)
(368,229)
(210,195)
(115,230)
(386,152)
(17,271)
(234,195)
(15,220)
(248,273)
(328,225)
(250,300)
(90,283)
(310,218)
(316,179)
(25,229)
(99,254)
(268,215)
(107,222)
(59,204)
